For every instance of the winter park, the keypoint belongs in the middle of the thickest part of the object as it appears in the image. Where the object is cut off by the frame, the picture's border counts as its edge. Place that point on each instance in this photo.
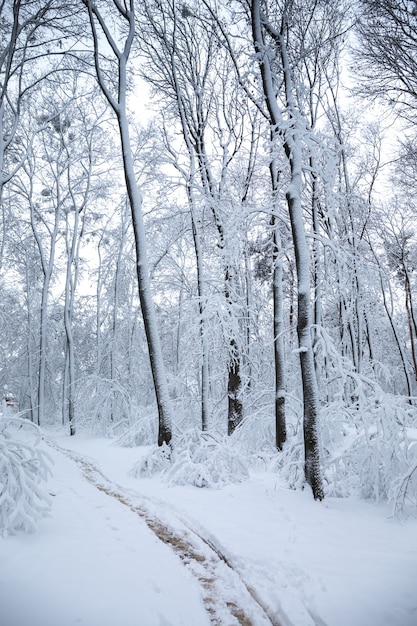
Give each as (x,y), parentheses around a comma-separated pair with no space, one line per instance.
(208,326)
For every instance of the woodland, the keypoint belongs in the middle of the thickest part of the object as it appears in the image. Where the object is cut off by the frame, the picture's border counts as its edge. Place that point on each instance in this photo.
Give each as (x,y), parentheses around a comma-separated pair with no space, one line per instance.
(208,237)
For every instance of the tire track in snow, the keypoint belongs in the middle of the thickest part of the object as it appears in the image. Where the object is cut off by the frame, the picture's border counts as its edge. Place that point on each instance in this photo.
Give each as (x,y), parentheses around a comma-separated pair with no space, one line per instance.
(228,599)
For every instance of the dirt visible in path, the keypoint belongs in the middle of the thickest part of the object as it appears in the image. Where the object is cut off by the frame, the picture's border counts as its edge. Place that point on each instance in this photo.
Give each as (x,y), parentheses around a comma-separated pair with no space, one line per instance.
(223,589)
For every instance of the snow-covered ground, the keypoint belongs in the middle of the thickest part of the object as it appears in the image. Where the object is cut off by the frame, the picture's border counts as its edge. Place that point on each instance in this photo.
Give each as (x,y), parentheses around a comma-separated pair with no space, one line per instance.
(96,562)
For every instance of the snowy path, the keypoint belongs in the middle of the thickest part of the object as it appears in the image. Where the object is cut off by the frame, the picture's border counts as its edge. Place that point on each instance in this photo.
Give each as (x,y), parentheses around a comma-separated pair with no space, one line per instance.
(119,551)
(227,598)
(94,563)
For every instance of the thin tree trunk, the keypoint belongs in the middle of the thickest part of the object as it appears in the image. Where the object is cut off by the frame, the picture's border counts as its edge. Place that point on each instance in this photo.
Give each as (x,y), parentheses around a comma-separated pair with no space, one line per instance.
(396,337)
(115,321)
(70,285)
(69,361)
(65,384)
(248,320)
(201,305)
(30,359)
(126,13)
(410,299)
(47,265)
(278,325)
(145,295)
(98,311)
(317,304)
(279,354)
(410,322)
(234,382)
(3,216)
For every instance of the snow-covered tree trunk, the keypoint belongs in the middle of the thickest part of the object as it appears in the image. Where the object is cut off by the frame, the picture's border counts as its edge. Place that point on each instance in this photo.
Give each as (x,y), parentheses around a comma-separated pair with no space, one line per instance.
(48,263)
(291,134)
(145,294)
(73,249)
(29,344)
(2,207)
(126,14)
(114,351)
(304,328)
(410,317)
(69,377)
(205,400)
(278,325)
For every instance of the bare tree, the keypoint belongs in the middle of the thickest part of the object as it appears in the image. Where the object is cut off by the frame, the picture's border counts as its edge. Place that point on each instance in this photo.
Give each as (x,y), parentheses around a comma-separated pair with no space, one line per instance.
(45,218)
(386,55)
(33,36)
(115,90)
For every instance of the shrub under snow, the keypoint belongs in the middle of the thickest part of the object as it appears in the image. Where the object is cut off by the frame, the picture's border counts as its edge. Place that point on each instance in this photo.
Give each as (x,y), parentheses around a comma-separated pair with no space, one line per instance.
(23,466)
(198,458)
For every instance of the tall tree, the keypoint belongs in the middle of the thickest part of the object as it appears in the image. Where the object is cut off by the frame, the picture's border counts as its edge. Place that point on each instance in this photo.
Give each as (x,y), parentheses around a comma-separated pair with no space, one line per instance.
(120,45)
(273,31)
(45,208)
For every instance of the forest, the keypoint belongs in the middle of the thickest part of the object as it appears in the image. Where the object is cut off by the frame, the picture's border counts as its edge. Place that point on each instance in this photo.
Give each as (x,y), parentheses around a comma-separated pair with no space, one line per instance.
(208,236)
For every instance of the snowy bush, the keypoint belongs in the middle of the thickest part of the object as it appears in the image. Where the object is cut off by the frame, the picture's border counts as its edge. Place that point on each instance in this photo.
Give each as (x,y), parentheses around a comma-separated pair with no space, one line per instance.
(141,432)
(157,461)
(368,443)
(198,458)
(404,492)
(23,466)
(255,438)
(365,435)
(289,463)
(371,451)
(104,407)
(205,460)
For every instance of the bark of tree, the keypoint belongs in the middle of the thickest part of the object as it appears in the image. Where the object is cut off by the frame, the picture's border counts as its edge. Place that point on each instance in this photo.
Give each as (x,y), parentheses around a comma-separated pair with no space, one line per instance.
(291,135)
(278,325)
(408,308)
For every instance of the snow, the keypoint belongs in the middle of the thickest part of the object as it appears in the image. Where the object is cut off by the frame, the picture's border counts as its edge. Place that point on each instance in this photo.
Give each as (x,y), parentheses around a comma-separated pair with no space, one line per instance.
(96,562)
(93,563)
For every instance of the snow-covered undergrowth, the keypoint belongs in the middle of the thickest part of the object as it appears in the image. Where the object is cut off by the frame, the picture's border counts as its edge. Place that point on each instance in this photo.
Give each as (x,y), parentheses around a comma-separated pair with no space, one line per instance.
(370,448)
(106,408)
(255,438)
(368,436)
(368,439)
(141,431)
(202,459)
(23,467)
